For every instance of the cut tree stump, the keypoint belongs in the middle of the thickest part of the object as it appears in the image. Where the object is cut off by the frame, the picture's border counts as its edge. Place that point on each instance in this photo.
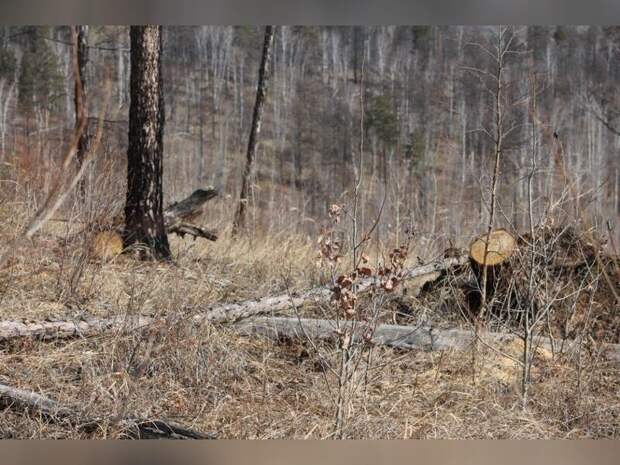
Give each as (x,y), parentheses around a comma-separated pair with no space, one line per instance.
(218,313)
(134,428)
(501,247)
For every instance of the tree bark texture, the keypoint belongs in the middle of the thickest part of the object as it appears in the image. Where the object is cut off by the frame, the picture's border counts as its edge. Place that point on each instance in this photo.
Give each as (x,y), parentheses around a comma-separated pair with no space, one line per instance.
(144,220)
(80,89)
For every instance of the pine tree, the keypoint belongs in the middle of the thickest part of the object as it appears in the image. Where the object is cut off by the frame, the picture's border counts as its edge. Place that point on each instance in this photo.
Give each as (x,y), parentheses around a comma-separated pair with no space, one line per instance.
(144,221)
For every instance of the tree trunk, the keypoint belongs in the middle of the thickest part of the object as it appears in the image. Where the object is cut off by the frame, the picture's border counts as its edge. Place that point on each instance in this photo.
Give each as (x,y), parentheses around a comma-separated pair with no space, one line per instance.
(136,428)
(81,44)
(427,338)
(263,80)
(144,220)
(216,312)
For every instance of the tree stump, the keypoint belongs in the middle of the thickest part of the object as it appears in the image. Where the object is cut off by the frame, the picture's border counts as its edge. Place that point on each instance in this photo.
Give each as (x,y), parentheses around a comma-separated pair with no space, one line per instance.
(107,245)
(501,246)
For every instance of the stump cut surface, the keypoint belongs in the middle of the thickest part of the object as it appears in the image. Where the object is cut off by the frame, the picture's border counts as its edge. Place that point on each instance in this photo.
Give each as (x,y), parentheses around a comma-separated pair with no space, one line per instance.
(501,247)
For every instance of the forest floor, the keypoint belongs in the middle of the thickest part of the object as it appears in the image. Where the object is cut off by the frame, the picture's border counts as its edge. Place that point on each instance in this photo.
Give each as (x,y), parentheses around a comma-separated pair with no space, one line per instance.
(209,378)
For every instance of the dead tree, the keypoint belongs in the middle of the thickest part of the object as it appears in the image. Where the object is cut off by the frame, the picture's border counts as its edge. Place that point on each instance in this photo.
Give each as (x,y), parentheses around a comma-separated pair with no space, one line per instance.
(133,428)
(421,337)
(144,218)
(179,217)
(220,313)
(261,92)
(81,49)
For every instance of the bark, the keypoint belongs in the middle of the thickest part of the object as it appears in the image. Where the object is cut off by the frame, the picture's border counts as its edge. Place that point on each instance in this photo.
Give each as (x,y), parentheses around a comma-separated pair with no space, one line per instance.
(400,337)
(81,33)
(135,428)
(183,228)
(188,209)
(144,220)
(263,80)
(220,313)
(395,336)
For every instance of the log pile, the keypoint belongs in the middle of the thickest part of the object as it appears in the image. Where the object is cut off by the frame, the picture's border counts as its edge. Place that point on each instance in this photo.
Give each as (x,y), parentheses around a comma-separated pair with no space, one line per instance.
(562,254)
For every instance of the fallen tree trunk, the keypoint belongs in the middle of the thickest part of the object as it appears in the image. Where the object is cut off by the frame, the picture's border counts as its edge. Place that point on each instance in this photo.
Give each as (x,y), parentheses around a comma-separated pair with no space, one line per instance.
(232,312)
(183,228)
(135,428)
(179,215)
(190,207)
(424,338)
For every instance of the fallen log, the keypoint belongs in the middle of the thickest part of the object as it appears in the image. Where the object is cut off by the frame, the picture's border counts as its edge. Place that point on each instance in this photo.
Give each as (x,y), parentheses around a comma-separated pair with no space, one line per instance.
(218,313)
(108,240)
(425,338)
(188,209)
(134,428)
(183,228)
(179,215)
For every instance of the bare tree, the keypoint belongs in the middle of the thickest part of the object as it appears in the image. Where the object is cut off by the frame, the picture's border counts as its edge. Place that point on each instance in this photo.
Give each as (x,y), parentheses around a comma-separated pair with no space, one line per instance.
(496,85)
(261,92)
(144,220)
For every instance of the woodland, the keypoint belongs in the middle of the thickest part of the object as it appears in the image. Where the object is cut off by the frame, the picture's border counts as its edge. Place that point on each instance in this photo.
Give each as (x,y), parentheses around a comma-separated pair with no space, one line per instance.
(324,232)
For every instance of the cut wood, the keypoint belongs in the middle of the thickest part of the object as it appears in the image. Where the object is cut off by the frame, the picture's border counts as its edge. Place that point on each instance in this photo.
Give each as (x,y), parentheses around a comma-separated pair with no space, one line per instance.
(400,337)
(135,428)
(107,245)
(488,254)
(230,312)
(501,246)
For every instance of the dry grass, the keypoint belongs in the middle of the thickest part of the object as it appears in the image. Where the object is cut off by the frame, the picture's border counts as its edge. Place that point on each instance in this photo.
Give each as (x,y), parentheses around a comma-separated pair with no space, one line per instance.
(211,379)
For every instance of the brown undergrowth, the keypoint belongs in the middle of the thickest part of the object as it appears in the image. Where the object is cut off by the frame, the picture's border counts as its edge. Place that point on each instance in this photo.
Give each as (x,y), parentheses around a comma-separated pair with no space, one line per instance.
(211,379)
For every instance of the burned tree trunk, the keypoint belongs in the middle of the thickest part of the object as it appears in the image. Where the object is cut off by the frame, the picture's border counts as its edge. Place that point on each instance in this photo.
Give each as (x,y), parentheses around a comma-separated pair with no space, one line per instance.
(261,91)
(144,219)
(80,87)
(80,42)
(178,219)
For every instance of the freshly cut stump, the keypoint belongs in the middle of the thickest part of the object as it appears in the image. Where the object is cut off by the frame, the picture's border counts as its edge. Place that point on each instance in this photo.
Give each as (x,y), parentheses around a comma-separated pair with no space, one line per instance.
(501,247)
(107,245)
